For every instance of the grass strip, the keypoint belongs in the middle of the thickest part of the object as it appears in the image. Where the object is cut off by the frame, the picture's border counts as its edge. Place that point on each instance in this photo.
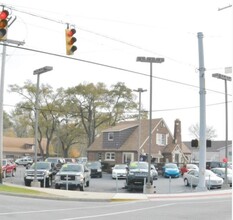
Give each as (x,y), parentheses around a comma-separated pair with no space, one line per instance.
(19,190)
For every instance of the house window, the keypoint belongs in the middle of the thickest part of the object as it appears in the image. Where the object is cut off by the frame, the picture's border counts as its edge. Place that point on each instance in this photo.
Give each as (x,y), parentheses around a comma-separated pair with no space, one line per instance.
(110,156)
(161,139)
(110,136)
(128,157)
(99,156)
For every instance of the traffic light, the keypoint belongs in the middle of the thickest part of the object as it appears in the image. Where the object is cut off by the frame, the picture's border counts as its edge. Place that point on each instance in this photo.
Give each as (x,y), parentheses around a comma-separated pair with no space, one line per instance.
(70,40)
(208,143)
(3,24)
(194,143)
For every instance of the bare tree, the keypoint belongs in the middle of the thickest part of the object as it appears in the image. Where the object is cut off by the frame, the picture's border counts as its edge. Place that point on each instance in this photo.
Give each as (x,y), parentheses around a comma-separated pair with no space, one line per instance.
(195,131)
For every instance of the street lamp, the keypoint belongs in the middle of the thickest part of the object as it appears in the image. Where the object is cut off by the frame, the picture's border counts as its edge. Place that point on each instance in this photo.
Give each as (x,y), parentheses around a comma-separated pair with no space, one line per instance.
(37,72)
(139,90)
(225,78)
(151,60)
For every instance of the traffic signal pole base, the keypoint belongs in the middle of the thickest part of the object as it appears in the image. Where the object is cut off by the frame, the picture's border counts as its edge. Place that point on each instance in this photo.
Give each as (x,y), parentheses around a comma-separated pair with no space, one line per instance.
(35,183)
(148,189)
(201,188)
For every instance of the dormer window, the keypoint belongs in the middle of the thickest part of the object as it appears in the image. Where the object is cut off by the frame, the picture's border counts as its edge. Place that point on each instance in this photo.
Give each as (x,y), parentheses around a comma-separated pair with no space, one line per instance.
(161,139)
(110,136)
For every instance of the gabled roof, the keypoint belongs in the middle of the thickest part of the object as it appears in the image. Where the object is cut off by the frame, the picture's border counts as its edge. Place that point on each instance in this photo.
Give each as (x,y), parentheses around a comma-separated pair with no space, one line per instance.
(16,144)
(170,147)
(131,144)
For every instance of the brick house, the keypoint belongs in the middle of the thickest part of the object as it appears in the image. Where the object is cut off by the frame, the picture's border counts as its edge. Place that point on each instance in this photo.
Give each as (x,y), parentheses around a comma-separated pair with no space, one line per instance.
(120,144)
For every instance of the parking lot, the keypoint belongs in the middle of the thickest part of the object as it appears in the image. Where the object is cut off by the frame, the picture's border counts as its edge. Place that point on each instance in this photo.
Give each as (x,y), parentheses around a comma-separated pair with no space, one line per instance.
(107,184)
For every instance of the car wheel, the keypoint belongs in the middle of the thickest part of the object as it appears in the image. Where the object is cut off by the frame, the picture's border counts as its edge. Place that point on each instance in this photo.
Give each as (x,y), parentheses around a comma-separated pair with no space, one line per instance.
(27,183)
(48,182)
(81,187)
(4,174)
(13,172)
(186,182)
(57,186)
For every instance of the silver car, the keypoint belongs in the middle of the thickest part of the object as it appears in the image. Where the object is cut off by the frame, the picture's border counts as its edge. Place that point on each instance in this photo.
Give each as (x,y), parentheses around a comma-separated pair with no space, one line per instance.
(220,171)
(191,178)
(73,175)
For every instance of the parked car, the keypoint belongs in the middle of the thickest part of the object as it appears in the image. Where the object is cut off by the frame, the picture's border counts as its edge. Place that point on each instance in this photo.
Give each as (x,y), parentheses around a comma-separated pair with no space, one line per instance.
(219,171)
(82,159)
(25,161)
(8,168)
(191,178)
(213,164)
(56,161)
(154,172)
(96,168)
(70,160)
(45,172)
(137,175)
(119,171)
(188,167)
(170,170)
(73,175)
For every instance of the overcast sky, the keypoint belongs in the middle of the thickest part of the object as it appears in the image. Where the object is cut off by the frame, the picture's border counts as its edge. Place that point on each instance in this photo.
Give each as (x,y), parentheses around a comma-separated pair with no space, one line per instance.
(114,33)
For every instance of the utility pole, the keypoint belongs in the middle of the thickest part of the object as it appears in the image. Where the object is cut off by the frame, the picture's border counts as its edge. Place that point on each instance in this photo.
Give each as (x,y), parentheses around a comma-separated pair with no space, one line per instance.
(1,97)
(139,90)
(202,150)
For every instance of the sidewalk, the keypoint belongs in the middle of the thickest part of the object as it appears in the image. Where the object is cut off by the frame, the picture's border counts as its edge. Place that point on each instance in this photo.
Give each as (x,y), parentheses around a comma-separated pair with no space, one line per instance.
(60,194)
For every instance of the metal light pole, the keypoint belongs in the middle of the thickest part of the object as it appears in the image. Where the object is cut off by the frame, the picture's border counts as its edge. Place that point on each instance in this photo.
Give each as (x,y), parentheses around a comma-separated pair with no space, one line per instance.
(225,78)
(151,60)
(139,90)
(37,72)
(19,43)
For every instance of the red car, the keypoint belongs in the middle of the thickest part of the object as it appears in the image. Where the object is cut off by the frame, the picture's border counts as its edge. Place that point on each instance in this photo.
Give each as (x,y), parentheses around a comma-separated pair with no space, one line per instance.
(8,168)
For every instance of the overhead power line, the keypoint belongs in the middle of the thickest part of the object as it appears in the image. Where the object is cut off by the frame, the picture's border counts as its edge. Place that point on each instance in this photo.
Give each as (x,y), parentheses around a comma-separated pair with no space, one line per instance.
(108,66)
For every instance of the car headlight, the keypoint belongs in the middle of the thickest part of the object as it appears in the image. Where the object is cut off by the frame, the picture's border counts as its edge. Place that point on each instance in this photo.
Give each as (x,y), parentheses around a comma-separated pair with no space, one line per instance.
(131,173)
(79,177)
(25,174)
(57,178)
(99,170)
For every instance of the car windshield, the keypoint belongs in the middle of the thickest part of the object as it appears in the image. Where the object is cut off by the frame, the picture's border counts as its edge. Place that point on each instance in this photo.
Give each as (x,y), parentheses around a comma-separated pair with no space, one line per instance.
(69,167)
(52,160)
(209,173)
(120,166)
(171,166)
(93,165)
(137,165)
(41,166)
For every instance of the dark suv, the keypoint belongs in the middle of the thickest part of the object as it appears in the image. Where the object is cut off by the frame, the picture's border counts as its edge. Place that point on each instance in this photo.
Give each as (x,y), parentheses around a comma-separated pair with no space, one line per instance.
(213,164)
(44,174)
(96,168)
(136,176)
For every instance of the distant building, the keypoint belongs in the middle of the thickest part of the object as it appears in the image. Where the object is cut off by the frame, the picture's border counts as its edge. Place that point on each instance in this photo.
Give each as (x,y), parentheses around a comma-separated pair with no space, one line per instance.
(14,147)
(214,153)
(120,143)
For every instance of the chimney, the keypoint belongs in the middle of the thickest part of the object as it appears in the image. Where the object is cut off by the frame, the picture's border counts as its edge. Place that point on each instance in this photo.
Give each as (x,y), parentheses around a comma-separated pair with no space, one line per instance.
(177,132)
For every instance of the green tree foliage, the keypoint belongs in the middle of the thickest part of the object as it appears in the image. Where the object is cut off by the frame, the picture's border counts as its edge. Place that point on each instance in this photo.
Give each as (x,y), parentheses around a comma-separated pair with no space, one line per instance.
(71,117)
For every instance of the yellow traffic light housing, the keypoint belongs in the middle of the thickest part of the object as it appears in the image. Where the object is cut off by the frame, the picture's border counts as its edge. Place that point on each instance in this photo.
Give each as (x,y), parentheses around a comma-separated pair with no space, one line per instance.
(70,40)
(3,24)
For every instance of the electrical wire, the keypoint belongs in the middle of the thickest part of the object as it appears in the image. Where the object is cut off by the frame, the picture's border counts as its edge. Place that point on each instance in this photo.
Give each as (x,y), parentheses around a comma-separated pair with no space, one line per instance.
(108,66)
